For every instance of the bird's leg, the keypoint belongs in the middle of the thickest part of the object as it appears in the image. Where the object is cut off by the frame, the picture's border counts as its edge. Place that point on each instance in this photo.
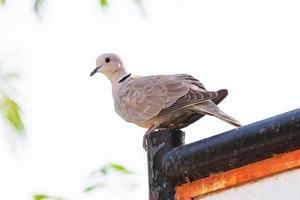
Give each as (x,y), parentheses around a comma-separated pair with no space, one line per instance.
(149,131)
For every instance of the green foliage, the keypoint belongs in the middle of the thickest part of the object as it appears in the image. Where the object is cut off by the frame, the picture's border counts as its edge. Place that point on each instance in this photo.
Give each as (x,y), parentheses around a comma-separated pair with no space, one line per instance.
(113,167)
(38,4)
(9,108)
(11,112)
(45,197)
(105,171)
(2,2)
(103,3)
(93,187)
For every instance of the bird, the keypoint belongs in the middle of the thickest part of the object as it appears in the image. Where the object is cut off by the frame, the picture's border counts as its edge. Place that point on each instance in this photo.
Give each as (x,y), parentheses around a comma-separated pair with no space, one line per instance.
(159,101)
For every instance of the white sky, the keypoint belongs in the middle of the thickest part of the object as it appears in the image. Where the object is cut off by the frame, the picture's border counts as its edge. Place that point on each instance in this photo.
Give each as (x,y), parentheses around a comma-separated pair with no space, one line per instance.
(251,48)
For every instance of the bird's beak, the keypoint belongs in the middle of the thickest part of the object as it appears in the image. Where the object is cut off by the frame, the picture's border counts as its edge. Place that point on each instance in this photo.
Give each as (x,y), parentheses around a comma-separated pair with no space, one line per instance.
(94,71)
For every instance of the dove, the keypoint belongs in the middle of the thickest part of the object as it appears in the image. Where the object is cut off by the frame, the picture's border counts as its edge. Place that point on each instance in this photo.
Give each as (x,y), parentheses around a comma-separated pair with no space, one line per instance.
(159,101)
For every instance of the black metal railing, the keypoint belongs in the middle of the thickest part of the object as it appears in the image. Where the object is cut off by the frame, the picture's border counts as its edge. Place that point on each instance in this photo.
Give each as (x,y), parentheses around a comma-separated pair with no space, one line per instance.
(172,163)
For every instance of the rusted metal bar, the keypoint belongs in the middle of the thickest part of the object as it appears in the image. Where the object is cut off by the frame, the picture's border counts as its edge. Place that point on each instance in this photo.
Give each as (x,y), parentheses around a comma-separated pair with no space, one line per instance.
(159,143)
(241,175)
(232,149)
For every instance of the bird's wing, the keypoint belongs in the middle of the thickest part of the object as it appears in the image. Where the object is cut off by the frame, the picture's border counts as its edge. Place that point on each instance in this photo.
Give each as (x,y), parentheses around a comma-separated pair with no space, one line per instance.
(143,98)
(195,95)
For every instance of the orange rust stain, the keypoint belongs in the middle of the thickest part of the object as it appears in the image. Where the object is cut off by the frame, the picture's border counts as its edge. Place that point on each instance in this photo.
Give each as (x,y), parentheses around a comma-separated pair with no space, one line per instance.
(254,171)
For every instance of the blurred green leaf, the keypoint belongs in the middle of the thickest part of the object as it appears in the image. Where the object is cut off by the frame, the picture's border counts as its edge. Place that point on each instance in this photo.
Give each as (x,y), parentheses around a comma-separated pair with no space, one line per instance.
(45,197)
(113,167)
(2,2)
(11,112)
(105,171)
(38,4)
(93,187)
(8,78)
(119,168)
(40,197)
(103,3)
(11,76)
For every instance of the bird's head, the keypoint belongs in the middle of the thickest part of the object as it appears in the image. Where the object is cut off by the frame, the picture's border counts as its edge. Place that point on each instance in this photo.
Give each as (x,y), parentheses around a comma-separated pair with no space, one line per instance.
(109,64)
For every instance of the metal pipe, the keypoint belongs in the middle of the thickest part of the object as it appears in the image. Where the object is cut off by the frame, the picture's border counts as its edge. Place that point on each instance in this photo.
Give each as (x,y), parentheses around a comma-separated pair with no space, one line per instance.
(234,148)
(159,143)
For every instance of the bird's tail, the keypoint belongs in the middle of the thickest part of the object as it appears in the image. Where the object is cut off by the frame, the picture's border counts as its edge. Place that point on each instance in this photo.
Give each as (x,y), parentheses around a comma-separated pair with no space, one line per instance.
(212,109)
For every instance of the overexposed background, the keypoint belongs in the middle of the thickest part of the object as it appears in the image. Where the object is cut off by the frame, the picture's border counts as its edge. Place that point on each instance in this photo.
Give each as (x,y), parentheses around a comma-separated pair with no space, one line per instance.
(252,48)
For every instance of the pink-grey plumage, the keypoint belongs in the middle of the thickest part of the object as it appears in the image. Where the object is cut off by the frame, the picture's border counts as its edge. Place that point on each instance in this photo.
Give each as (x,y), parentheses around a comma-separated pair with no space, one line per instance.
(160,101)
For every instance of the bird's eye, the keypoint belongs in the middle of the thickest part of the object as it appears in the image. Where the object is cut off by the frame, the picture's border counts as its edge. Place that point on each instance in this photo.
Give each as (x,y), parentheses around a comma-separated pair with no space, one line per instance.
(107,60)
